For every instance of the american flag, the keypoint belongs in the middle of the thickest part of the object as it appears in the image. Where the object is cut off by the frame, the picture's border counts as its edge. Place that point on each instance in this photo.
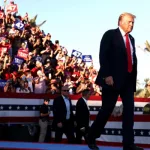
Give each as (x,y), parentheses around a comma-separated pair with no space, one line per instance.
(24,108)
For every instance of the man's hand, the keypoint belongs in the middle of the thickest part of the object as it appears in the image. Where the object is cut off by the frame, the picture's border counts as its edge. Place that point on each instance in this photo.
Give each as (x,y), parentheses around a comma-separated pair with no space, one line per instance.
(82,129)
(59,125)
(109,80)
(75,123)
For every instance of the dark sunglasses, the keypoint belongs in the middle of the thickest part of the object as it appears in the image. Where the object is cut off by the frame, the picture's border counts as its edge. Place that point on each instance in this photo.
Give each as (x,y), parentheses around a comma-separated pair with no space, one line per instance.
(65,90)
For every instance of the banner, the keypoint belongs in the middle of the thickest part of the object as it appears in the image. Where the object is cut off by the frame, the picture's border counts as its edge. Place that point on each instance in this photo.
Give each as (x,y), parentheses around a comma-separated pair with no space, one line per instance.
(76,53)
(19,25)
(87,58)
(18,60)
(25,108)
(23,53)
(11,8)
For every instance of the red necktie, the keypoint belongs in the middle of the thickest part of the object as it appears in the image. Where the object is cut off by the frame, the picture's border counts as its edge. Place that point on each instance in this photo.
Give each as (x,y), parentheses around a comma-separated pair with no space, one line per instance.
(128,54)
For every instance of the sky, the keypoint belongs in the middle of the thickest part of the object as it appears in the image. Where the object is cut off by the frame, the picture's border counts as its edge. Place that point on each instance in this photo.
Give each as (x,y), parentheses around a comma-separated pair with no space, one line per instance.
(80,24)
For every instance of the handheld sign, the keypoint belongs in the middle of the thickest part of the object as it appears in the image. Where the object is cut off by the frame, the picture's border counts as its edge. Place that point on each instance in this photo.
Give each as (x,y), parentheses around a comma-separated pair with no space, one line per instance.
(76,53)
(11,9)
(23,53)
(18,60)
(87,58)
(19,25)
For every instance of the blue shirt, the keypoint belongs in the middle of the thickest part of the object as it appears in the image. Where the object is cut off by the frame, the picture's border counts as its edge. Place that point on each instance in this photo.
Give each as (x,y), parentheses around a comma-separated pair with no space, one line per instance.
(67,103)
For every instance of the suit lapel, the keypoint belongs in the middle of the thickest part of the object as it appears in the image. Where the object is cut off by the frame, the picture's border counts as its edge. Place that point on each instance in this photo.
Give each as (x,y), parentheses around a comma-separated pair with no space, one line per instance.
(120,39)
(132,41)
(63,102)
(85,104)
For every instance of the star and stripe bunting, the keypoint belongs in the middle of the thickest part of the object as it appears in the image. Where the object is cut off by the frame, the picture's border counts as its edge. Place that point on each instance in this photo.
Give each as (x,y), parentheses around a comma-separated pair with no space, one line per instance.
(24,108)
(36,107)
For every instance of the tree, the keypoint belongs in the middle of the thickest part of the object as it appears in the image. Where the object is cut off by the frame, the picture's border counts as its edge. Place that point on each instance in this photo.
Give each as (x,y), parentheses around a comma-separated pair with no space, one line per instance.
(32,22)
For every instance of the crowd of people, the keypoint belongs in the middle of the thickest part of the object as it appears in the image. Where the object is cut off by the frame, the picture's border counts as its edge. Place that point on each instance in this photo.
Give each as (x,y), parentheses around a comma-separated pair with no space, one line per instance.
(31,63)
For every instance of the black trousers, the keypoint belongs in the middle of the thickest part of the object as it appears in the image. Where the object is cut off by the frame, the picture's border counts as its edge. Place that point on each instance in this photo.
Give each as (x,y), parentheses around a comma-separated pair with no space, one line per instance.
(109,99)
(67,129)
(80,134)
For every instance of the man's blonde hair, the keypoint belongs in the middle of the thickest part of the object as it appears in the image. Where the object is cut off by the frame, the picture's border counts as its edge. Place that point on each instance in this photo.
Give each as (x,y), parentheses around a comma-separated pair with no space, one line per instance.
(125,14)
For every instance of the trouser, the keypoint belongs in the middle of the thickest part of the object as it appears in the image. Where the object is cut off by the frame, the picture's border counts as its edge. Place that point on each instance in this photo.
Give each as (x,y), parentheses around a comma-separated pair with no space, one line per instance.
(80,134)
(109,99)
(67,129)
(43,130)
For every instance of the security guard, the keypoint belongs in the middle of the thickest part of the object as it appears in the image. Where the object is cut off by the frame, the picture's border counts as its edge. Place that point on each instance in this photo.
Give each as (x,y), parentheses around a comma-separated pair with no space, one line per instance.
(44,119)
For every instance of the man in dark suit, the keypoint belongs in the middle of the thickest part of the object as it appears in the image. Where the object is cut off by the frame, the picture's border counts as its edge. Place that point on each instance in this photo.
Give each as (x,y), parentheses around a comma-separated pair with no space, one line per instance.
(117,76)
(82,116)
(63,117)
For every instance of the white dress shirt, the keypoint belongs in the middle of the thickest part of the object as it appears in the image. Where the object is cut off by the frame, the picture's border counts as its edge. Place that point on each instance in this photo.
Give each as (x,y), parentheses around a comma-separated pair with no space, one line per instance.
(67,103)
(124,39)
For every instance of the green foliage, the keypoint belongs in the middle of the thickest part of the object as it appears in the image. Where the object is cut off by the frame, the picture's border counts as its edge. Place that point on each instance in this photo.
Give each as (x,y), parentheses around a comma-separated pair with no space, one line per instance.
(32,22)
(41,23)
(138,91)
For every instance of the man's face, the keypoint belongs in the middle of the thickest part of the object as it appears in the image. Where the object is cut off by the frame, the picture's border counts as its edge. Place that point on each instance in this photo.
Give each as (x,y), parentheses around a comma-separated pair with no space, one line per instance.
(127,23)
(65,91)
(46,102)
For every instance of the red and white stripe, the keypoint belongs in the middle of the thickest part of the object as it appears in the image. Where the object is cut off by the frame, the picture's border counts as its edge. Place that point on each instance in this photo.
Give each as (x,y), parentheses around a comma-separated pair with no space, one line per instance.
(24,116)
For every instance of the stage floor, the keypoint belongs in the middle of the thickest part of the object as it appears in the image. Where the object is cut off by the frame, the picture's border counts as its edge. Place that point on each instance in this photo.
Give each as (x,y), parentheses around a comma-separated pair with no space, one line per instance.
(38,146)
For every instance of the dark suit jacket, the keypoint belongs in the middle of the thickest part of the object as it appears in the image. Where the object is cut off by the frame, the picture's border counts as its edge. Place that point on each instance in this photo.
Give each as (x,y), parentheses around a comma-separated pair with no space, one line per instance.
(60,111)
(82,114)
(113,59)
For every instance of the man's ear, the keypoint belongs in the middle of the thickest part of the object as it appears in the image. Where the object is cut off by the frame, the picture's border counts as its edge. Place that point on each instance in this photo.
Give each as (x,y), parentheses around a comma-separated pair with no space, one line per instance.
(121,22)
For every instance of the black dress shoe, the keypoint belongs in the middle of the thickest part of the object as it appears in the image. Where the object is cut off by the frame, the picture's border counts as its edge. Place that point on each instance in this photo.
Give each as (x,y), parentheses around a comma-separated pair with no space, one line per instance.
(91,143)
(132,147)
(93,146)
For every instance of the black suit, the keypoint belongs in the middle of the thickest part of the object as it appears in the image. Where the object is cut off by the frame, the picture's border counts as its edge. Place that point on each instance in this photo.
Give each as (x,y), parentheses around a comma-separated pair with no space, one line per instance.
(82,119)
(59,115)
(113,62)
